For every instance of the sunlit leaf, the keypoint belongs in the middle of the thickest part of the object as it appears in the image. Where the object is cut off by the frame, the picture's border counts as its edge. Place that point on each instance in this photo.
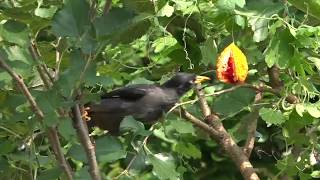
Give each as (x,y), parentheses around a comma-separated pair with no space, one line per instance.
(163,166)
(272,116)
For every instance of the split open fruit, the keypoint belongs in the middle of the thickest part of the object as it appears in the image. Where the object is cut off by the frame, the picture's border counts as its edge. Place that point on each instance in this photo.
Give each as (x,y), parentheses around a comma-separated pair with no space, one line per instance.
(232,66)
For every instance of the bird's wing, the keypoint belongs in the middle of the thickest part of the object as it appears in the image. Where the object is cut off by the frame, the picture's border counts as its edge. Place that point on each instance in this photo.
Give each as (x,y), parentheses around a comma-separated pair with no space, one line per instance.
(132,92)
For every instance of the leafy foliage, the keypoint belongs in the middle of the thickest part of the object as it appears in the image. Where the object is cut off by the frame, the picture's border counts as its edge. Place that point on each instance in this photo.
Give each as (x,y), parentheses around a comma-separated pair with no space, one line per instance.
(93,50)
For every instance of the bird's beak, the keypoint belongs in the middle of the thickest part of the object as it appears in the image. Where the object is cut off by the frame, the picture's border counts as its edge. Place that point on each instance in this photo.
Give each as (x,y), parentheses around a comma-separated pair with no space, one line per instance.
(200,79)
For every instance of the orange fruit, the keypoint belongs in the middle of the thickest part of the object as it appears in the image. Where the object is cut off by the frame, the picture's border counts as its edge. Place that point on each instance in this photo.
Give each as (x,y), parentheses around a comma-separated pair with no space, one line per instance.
(232,66)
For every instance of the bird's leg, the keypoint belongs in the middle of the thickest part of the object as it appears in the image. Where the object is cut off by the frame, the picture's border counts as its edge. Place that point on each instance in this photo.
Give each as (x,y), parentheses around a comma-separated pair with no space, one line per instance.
(85,114)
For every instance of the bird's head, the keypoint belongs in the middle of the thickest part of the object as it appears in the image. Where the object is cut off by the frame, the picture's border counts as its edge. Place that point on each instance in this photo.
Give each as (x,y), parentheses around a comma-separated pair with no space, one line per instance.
(183,82)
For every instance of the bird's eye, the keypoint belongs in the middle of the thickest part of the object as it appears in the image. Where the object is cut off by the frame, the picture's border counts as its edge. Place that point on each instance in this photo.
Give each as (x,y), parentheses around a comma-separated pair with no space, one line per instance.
(191,81)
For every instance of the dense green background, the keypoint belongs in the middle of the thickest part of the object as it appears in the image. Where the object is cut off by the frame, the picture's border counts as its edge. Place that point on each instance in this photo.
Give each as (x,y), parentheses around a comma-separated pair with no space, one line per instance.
(143,41)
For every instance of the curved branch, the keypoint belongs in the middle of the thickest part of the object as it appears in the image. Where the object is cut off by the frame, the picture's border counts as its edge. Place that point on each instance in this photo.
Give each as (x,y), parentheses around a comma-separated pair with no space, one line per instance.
(218,133)
(51,131)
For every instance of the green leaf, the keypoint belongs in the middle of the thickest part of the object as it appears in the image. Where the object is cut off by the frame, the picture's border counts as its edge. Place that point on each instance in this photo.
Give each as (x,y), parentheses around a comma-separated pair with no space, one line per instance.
(6,147)
(72,20)
(139,6)
(313,110)
(187,7)
(272,116)
(234,101)
(229,5)
(258,13)
(114,21)
(166,10)
(310,7)
(316,62)
(209,51)
(280,50)
(163,166)
(240,21)
(109,149)
(182,126)
(4,165)
(66,129)
(315,174)
(130,124)
(164,42)
(82,174)
(15,32)
(53,173)
(45,12)
(300,109)
(118,25)
(77,152)
(188,150)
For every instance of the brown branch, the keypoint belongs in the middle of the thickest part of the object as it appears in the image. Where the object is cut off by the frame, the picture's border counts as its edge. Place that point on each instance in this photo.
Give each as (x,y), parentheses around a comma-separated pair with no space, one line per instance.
(41,67)
(43,71)
(194,120)
(52,133)
(217,132)
(274,77)
(248,147)
(107,7)
(81,127)
(277,84)
(252,127)
(232,149)
(203,102)
(58,59)
(82,131)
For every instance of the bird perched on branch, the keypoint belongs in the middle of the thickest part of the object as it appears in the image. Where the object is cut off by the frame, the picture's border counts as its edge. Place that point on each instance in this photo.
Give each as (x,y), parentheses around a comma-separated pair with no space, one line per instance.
(146,103)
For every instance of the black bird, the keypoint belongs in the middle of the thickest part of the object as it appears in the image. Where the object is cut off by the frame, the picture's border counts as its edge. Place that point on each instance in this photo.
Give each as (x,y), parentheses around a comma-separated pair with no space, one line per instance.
(146,103)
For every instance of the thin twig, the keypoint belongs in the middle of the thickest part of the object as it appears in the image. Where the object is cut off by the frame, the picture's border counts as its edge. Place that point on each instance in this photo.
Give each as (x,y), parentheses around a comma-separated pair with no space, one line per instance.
(45,75)
(52,132)
(42,68)
(203,102)
(45,80)
(224,91)
(126,171)
(58,59)
(82,130)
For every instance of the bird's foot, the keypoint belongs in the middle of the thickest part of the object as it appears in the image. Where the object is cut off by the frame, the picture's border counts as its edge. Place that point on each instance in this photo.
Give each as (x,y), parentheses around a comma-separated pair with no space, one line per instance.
(85,115)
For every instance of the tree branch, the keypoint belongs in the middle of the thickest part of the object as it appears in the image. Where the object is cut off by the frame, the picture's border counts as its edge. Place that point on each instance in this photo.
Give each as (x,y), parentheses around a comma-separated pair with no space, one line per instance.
(58,59)
(218,133)
(80,126)
(277,84)
(42,68)
(107,7)
(233,150)
(252,127)
(52,132)
(203,102)
(82,130)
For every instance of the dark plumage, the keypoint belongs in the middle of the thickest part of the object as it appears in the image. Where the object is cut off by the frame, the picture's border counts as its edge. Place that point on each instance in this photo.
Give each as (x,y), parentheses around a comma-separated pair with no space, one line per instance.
(146,103)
